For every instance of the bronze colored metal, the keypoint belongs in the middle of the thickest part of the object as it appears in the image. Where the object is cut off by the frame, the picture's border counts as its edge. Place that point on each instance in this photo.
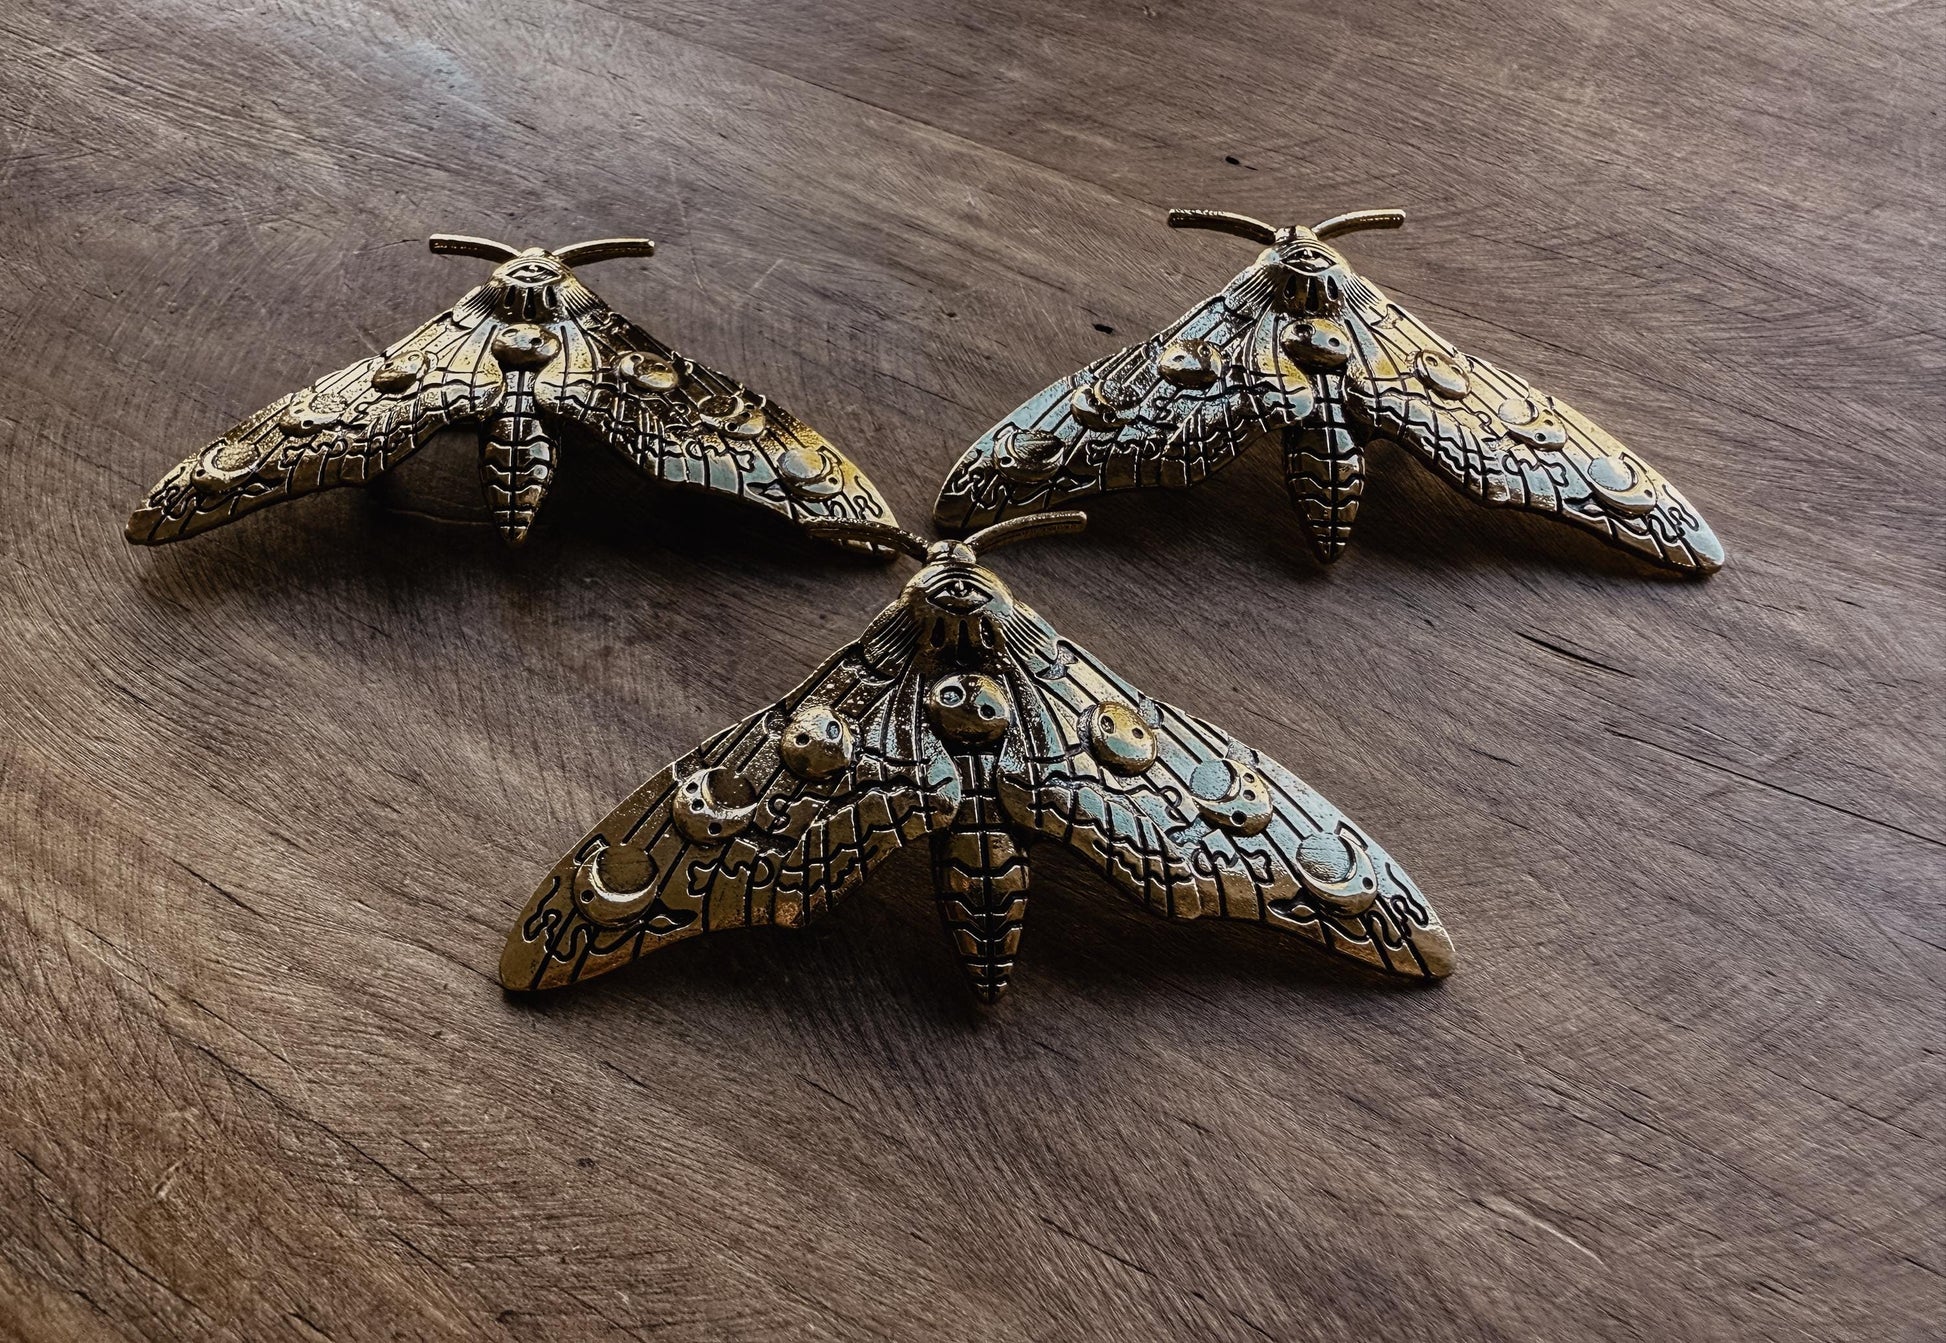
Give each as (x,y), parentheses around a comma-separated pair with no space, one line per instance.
(961,714)
(1302,343)
(530,350)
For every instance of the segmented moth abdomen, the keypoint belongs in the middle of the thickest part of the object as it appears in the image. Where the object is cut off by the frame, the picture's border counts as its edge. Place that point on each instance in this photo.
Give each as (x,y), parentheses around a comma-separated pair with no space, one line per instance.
(980,877)
(516,457)
(1325,470)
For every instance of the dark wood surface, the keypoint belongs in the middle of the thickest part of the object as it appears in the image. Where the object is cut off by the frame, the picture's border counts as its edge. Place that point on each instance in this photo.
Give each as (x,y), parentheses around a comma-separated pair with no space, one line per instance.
(273,796)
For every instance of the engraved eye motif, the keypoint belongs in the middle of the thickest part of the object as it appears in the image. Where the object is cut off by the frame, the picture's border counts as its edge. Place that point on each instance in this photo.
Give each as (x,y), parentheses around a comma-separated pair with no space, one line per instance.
(532,273)
(816,743)
(1119,738)
(969,707)
(1310,260)
(712,805)
(1231,796)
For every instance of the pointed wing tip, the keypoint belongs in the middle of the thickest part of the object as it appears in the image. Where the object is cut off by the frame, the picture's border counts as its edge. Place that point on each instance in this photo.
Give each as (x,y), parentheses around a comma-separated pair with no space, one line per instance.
(1706,549)
(1435,951)
(142,527)
(520,963)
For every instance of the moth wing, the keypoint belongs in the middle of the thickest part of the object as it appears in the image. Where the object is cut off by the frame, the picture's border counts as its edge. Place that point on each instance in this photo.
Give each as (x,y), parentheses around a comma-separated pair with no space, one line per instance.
(343,429)
(768,822)
(685,423)
(1190,822)
(1495,437)
(1165,413)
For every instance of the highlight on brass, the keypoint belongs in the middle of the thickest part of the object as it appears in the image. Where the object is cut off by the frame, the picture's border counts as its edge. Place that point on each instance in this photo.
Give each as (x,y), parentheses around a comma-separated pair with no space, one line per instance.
(530,351)
(1301,344)
(962,715)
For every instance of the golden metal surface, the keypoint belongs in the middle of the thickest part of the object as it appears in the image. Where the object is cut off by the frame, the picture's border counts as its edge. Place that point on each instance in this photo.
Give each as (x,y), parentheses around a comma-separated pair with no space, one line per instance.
(1303,344)
(961,714)
(530,350)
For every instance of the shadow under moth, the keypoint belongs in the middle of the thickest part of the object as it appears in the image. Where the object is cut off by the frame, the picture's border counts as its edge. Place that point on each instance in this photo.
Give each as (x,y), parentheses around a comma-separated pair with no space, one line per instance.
(531,350)
(961,714)
(1303,344)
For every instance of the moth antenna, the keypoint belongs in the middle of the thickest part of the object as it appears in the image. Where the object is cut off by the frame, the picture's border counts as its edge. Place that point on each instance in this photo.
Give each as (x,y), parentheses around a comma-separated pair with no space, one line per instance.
(1222,221)
(1357,220)
(1015,529)
(871,533)
(460,244)
(602,249)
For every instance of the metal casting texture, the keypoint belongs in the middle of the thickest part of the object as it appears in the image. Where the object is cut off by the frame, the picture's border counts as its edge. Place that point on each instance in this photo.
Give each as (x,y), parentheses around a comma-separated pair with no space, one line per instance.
(530,350)
(961,714)
(1301,343)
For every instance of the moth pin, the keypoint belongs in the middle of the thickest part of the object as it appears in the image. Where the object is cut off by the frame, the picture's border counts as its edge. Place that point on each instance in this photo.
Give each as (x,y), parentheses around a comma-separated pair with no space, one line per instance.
(1303,344)
(961,715)
(528,352)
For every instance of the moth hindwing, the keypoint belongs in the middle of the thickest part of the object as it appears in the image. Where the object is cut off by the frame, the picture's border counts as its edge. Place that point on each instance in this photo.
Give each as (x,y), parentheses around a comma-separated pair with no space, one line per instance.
(531,350)
(962,715)
(1301,344)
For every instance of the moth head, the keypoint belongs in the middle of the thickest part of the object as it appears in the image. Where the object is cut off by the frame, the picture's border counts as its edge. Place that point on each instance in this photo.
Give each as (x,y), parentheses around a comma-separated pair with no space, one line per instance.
(536,285)
(960,609)
(1307,276)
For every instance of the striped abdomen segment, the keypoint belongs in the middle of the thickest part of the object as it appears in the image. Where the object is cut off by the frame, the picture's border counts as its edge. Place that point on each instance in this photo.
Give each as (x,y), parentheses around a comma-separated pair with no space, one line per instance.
(980,877)
(516,455)
(1325,470)
(516,458)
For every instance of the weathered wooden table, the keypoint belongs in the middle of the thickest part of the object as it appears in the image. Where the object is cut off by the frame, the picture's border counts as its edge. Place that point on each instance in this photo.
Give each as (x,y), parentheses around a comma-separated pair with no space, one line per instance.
(273,796)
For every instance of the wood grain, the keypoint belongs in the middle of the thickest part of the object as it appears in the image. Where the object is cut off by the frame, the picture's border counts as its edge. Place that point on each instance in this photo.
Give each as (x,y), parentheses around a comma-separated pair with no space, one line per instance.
(272,796)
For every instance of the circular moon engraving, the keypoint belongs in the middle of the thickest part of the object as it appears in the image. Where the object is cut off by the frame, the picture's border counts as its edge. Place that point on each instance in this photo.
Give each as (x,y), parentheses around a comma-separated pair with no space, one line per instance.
(969,707)
(210,471)
(308,415)
(648,372)
(1337,872)
(613,886)
(401,373)
(1029,456)
(809,473)
(1119,738)
(1318,343)
(1622,483)
(1100,405)
(1442,374)
(816,743)
(1231,796)
(1528,422)
(1188,363)
(711,805)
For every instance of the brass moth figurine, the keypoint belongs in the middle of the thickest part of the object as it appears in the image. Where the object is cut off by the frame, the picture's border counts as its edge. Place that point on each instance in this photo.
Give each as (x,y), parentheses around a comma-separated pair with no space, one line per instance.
(961,714)
(1302,343)
(530,350)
